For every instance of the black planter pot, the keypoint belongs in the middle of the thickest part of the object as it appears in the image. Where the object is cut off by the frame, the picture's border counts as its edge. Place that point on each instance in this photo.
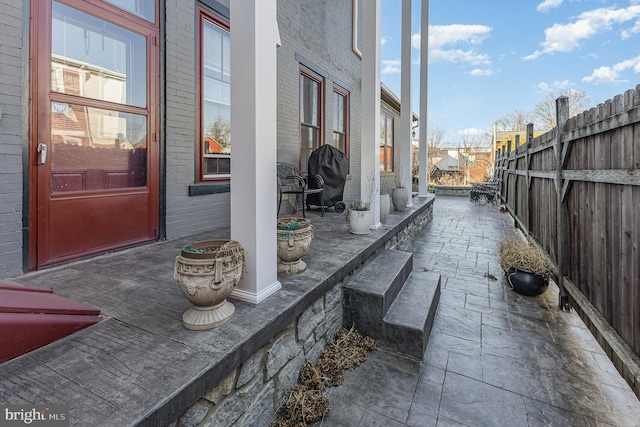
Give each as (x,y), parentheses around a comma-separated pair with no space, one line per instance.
(526,282)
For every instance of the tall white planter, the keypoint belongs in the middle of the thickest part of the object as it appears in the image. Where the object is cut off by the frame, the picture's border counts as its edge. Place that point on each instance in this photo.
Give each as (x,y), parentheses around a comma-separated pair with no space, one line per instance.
(385,207)
(360,222)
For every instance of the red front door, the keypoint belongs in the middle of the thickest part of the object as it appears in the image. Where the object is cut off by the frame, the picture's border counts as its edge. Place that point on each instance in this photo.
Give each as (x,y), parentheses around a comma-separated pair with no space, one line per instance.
(94,151)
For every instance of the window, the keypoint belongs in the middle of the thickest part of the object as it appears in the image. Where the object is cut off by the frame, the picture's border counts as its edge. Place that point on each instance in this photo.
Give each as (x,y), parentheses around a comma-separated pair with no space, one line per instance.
(340,120)
(386,143)
(215,99)
(142,8)
(99,114)
(310,115)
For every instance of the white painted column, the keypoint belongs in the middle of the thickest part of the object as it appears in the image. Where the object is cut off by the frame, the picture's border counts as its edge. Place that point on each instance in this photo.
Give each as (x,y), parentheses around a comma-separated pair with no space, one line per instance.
(370,144)
(423,165)
(406,108)
(254,36)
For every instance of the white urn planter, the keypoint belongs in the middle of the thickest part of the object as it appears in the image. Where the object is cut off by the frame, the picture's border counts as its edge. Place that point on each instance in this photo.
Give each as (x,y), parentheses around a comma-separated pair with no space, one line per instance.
(293,239)
(400,198)
(360,221)
(207,272)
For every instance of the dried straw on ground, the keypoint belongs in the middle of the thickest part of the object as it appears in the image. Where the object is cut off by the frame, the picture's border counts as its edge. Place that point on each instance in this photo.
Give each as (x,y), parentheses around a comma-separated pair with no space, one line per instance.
(347,351)
(305,402)
(517,252)
(304,405)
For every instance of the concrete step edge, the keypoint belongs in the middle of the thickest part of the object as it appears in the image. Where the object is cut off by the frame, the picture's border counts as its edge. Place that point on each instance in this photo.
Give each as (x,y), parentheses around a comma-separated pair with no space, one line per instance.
(409,320)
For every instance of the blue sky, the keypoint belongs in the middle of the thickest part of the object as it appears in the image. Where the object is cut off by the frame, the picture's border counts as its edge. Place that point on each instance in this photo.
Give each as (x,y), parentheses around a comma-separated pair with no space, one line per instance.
(488,58)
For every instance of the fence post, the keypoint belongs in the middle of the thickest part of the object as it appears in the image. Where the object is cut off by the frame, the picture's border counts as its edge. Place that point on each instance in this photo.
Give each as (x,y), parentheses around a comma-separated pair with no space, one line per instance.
(562,211)
(516,190)
(528,176)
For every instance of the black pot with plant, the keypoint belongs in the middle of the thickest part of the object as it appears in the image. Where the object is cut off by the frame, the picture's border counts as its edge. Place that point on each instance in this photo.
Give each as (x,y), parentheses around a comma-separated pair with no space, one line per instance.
(526,267)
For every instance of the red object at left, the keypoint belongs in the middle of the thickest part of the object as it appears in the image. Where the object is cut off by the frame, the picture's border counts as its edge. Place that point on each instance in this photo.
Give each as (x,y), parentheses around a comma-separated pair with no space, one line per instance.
(34,317)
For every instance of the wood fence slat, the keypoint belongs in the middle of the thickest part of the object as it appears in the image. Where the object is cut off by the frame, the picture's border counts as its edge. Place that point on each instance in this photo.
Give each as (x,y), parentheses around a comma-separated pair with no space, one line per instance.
(599,226)
(576,237)
(636,147)
(626,263)
(585,224)
(635,291)
(614,301)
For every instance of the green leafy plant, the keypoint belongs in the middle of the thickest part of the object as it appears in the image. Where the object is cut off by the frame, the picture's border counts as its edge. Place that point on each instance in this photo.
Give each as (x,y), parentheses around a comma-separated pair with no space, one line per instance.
(287,225)
(365,203)
(360,206)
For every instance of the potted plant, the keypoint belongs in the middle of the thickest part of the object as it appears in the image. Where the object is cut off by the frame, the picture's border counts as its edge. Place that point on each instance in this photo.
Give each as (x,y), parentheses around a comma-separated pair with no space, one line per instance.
(360,217)
(526,267)
(293,240)
(359,214)
(207,272)
(400,194)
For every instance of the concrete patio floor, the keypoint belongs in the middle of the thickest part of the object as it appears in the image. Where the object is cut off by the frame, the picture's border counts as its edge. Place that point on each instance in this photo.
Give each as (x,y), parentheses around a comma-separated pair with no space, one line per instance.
(139,365)
(495,358)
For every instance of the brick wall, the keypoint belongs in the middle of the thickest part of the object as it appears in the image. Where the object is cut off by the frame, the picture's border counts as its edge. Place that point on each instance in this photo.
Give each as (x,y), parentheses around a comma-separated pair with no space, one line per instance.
(319,32)
(185,214)
(11,137)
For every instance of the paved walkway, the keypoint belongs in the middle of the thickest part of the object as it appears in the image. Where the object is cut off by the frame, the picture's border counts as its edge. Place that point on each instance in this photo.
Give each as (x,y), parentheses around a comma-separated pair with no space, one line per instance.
(495,358)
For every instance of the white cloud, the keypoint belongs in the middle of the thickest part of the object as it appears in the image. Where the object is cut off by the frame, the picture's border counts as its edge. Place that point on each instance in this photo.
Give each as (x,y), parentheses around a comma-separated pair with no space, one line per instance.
(471,132)
(567,37)
(451,35)
(612,75)
(390,66)
(548,4)
(457,55)
(456,43)
(545,87)
(384,40)
(564,84)
(415,41)
(630,32)
(481,72)
(554,86)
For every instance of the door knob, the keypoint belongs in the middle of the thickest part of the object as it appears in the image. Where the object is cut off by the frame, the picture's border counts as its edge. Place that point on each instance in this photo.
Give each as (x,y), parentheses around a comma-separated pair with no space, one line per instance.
(42,149)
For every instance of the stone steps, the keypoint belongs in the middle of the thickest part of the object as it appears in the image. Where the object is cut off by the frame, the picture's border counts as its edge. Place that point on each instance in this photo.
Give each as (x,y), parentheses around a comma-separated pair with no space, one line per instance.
(393,304)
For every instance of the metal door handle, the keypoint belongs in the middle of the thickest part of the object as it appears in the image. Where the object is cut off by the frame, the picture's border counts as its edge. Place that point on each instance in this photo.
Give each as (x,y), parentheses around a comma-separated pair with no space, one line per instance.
(42,149)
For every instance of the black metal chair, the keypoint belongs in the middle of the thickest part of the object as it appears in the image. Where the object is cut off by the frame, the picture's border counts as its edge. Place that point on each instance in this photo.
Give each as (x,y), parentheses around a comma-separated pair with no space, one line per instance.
(291,182)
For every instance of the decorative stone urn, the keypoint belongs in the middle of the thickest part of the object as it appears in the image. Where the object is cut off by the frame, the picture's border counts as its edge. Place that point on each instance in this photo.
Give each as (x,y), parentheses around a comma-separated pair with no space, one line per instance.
(293,238)
(207,272)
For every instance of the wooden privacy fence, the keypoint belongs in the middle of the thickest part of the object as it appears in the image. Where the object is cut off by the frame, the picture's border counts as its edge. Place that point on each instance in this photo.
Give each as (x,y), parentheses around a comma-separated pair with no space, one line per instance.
(575,190)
